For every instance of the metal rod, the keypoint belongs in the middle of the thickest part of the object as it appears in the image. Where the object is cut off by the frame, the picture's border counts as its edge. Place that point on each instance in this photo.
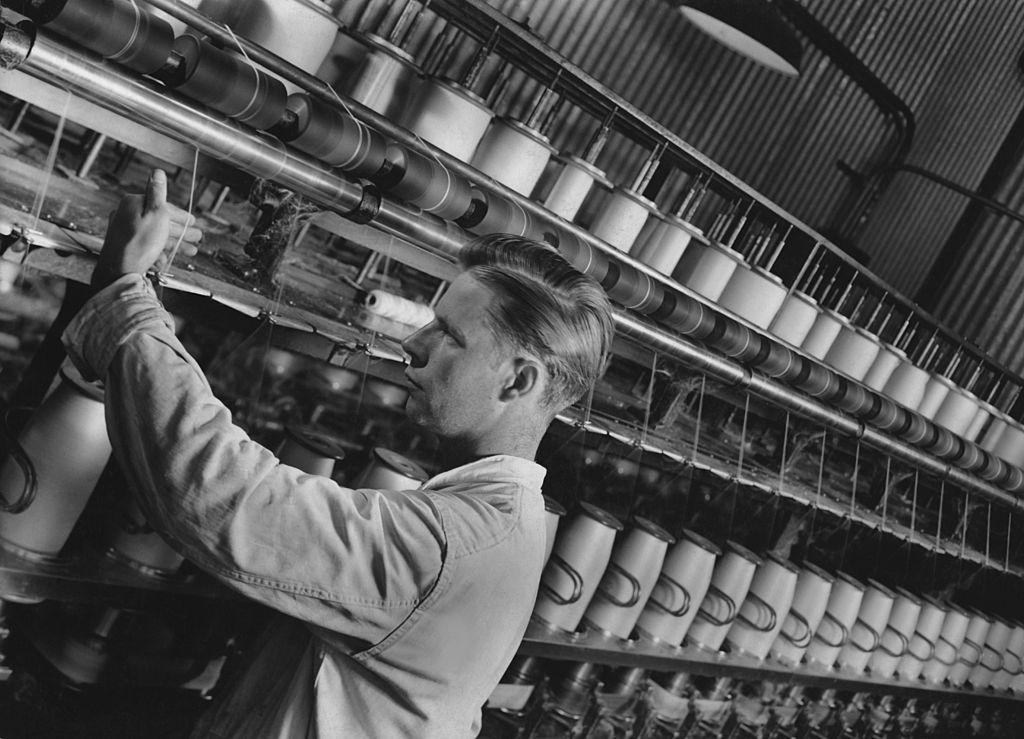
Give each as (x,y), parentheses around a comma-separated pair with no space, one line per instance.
(109,87)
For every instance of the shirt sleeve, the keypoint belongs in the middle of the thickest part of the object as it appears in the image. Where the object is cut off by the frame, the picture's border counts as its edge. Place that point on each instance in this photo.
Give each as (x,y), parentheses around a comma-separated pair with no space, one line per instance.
(353,561)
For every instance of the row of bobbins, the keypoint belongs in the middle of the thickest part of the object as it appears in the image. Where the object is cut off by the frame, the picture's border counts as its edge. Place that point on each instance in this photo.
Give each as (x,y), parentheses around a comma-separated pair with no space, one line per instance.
(641,583)
(201,69)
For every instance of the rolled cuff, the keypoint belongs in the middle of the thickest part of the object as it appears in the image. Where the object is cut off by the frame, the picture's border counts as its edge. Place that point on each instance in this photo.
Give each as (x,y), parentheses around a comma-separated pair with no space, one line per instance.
(109,319)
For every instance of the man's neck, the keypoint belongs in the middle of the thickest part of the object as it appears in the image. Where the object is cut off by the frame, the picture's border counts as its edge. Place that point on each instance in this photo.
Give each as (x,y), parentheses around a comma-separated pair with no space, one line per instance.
(455,453)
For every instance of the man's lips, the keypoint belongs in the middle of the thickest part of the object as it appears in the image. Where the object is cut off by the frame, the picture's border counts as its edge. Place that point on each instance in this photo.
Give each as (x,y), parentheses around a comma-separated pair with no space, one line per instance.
(412,382)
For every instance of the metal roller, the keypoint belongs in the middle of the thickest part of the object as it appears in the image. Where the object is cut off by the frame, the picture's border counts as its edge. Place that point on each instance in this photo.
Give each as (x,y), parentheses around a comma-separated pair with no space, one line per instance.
(334,137)
(227,83)
(265,157)
(119,30)
(424,181)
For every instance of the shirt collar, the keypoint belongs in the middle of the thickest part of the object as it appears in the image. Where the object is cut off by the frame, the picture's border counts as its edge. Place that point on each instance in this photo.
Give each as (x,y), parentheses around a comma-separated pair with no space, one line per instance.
(496,468)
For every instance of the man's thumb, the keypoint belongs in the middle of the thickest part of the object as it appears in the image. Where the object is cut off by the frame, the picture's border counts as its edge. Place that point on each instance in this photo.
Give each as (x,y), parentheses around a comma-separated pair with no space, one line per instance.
(156,192)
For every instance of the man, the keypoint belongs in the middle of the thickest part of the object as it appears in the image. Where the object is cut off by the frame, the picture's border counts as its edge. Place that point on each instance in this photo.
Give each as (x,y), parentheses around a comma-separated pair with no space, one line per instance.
(405,607)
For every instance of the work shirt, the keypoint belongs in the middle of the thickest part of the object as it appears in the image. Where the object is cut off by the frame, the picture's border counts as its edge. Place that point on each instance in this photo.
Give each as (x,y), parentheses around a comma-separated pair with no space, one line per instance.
(405,607)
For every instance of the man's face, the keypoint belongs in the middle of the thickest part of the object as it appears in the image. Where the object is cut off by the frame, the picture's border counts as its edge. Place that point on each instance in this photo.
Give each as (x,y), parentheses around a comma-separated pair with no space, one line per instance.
(457,367)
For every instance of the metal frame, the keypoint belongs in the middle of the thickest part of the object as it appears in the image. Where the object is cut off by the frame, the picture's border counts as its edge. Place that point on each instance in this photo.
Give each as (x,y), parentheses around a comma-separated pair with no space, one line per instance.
(108,86)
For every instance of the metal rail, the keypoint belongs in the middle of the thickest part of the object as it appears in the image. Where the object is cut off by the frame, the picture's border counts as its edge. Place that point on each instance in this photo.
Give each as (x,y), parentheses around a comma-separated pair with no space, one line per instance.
(609,650)
(108,86)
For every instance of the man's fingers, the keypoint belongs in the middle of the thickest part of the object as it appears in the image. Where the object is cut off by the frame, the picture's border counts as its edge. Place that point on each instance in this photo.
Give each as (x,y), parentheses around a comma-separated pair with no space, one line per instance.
(180,215)
(192,234)
(156,192)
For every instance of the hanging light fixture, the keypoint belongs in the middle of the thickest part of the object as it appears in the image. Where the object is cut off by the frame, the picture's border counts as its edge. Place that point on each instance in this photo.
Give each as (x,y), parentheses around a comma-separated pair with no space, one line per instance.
(754,28)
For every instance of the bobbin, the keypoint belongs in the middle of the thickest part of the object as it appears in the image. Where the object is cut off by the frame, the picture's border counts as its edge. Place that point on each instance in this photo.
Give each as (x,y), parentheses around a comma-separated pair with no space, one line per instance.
(118,30)
(333,136)
(228,83)
(422,180)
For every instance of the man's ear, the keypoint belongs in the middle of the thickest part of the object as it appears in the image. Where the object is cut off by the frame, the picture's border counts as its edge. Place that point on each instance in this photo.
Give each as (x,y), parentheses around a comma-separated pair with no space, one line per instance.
(528,377)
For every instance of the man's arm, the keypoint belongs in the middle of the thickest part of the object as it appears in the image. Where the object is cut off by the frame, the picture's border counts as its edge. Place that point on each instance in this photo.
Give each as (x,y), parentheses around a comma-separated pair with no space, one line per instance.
(351,561)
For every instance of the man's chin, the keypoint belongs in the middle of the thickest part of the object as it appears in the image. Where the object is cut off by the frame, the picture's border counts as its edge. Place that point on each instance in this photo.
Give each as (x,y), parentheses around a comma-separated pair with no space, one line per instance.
(416,412)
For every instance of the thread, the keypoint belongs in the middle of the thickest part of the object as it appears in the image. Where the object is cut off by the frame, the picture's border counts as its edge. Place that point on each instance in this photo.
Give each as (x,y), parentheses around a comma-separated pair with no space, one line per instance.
(188,216)
(387,305)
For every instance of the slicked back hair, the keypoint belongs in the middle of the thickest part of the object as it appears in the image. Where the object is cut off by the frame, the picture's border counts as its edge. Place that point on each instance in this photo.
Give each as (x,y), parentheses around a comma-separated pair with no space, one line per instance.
(546,307)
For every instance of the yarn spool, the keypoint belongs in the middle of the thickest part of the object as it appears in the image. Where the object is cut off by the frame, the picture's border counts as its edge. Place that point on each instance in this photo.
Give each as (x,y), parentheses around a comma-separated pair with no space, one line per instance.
(888,359)
(992,658)
(985,412)
(823,333)
(906,385)
(730,583)
(299,31)
(402,310)
(118,30)
(513,153)
(576,566)
(311,451)
(385,78)
(553,514)
(921,646)
(971,651)
(1009,446)
(935,392)
(958,410)
(132,541)
(685,576)
(706,268)
(810,600)
(1013,660)
(795,318)
(765,607)
(622,217)
(663,245)
(629,579)
(334,137)
(895,637)
(574,182)
(852,352)
(833,631)
(866,632)
(228,83)
(753,294)
(948,645)
(423,181)
(389,470)
(65,442)
(999,424)
(449,116)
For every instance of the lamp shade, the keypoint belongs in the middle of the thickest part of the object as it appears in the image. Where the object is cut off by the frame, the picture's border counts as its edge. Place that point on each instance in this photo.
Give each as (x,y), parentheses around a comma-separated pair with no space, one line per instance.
(754,28)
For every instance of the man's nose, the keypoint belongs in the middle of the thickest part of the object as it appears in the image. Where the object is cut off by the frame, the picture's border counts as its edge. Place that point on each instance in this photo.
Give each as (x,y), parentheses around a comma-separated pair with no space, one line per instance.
(415,345)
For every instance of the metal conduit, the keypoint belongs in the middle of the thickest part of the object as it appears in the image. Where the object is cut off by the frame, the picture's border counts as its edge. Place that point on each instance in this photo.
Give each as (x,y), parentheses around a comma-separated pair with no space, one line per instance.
(261,155)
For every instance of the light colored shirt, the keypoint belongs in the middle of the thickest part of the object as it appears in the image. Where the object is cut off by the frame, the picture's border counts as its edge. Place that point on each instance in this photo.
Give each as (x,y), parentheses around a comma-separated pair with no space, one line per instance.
(406,607)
